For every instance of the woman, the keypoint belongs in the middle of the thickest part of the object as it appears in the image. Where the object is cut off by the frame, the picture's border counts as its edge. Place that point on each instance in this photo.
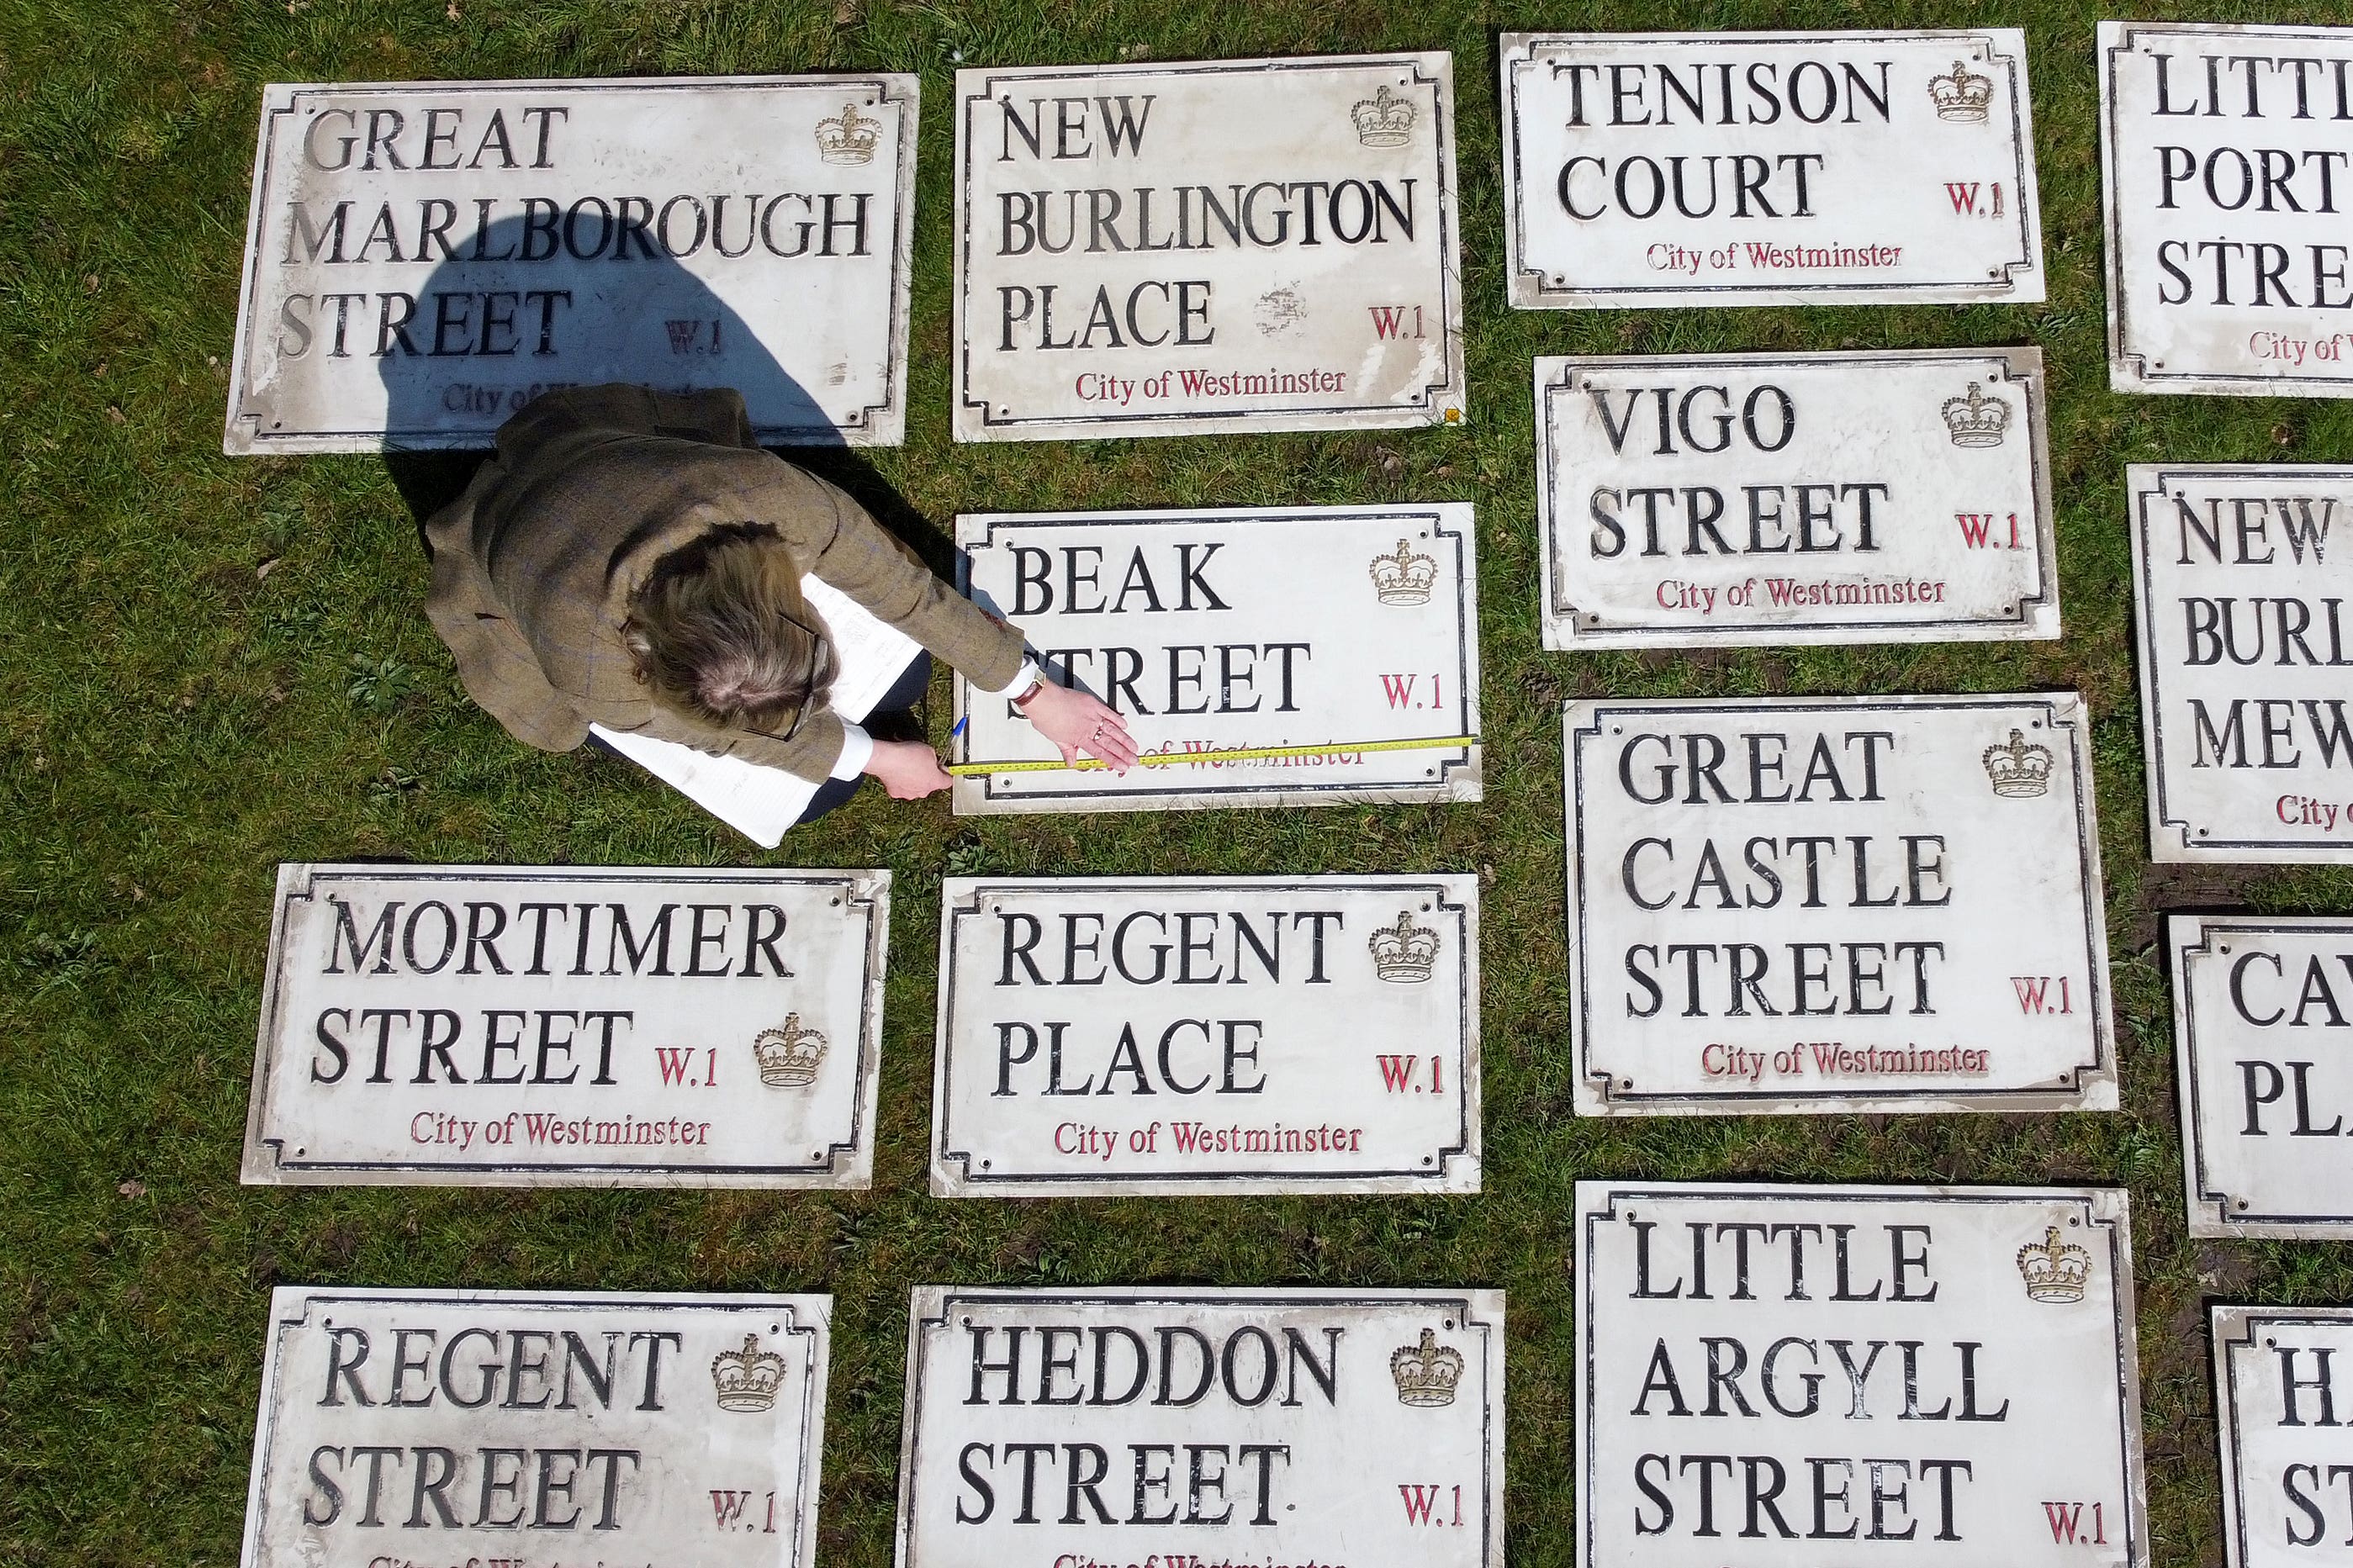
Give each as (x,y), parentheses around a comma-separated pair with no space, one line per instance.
(632,559)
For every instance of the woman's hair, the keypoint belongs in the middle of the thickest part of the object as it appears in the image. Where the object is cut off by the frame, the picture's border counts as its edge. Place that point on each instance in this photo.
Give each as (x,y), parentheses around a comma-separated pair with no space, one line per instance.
(718,630)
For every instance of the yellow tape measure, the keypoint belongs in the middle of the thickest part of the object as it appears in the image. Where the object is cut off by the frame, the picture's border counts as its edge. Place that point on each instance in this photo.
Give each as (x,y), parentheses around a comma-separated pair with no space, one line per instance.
(1237,755)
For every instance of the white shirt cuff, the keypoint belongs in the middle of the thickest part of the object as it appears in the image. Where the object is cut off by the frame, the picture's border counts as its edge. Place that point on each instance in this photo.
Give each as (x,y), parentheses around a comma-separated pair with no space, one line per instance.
(856,751)
(1020,681)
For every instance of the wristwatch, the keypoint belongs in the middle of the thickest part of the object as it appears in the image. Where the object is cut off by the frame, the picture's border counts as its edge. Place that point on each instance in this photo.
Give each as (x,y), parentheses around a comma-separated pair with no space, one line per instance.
(1030,696)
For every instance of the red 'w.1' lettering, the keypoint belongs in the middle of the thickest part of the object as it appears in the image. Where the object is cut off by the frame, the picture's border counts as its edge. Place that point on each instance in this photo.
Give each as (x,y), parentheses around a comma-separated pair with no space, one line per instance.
(2066,1520)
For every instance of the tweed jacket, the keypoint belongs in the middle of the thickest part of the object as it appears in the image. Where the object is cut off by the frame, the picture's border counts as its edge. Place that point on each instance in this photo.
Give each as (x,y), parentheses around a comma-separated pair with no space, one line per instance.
(534,565)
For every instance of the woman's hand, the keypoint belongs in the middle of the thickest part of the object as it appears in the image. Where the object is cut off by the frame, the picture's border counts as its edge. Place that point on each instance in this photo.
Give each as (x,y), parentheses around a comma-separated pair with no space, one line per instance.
(1075,721)
(910,770)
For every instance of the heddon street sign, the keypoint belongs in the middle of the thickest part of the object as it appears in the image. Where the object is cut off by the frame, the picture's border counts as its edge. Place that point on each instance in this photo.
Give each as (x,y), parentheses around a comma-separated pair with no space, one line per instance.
(1207,1034)
(1835,904)
(2281,1400)
(2226,157)
(1730,168)
(459,1425)
(1349,634)
(1200,1427)
(483,1026)
(1161,250)
(423,258)
(1823,1376)
(1731,499)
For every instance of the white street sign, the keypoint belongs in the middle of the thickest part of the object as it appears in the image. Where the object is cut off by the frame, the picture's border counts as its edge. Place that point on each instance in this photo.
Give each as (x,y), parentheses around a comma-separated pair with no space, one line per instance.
(1739,500)
(1112,1036)
(1165,250)
(1729,168)
(1233,630)
(1835,904)
(487,1026)
(423,258)
(2280,1408)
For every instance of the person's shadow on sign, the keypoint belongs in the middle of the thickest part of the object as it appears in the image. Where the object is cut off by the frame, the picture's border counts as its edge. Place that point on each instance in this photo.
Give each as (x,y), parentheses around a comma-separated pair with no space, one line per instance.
(502,321)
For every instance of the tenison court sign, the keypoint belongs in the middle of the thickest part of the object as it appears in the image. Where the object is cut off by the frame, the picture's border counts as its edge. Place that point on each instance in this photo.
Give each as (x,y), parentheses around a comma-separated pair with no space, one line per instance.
(1768,168)
(482,1026)
(1208,1035)
(437,1426)
(1728,500)
(1837,1376)
(423,258)
(2226,160)
(2242,575)
(1342,631)
(2283,1395)
(2262,1029)
(1836,904)
(1194,1428)
(1220,246)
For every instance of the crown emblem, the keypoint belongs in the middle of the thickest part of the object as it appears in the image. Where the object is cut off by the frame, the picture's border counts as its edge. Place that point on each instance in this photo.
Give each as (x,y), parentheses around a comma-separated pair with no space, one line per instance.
(747,1379)
(1403,953)
(2019,769)
(788,1055)
(2054,1270)
(1963,96)
(849,139)
(1976,419)
(1384,120)
(1426,1372)
(1403,578)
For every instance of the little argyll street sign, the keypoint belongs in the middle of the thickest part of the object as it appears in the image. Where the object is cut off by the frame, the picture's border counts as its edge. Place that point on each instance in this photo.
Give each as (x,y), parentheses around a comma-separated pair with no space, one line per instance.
(467,1426)
(1837,1376)
(1221,246)
(1727,500)
(2245,644)
(2282,1395)
(423,258)
(483,1026)
(2262,1009)
(1664,169)
(1208,1035)
(2226,156)
(1192,1427)
(1337,631)
(1836,904)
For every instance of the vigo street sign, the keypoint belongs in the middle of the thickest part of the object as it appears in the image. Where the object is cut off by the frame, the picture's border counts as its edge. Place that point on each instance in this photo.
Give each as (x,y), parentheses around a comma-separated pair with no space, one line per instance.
(2226,156)
(423,258)
(1172,249)
(1196,1426)
(1234,630)
(1729,168)
(1836,904)
(2240,613)
(561,1427)
(525,1026)
(1833,1375)
(1731,499)
(2280,1397)
(2262,1008)
(1207,1034)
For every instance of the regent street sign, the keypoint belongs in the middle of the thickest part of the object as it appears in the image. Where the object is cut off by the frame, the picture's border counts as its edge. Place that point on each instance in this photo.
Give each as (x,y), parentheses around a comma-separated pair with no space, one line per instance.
(423,258)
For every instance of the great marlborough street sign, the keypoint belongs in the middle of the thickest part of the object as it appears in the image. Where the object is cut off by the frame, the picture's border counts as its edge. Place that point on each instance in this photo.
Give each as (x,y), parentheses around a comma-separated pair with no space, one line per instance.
(1208,1035)
(1768,168)
(2242,574)
(2281,1397)
(1222,245)
(1836,904)
(1723,500)
(2263,1008)
(423,258)
(1222,630)
(483,1026)
(2227,160)
(466,1426)
(1203,1427)
(1842,1375)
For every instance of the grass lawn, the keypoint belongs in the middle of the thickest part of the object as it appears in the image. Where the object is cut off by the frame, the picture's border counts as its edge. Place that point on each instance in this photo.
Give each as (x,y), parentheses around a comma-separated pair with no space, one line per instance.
(213,665)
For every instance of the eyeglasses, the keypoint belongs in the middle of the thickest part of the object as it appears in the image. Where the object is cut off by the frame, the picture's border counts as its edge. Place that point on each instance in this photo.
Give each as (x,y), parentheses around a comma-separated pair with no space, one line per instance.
(808,676)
